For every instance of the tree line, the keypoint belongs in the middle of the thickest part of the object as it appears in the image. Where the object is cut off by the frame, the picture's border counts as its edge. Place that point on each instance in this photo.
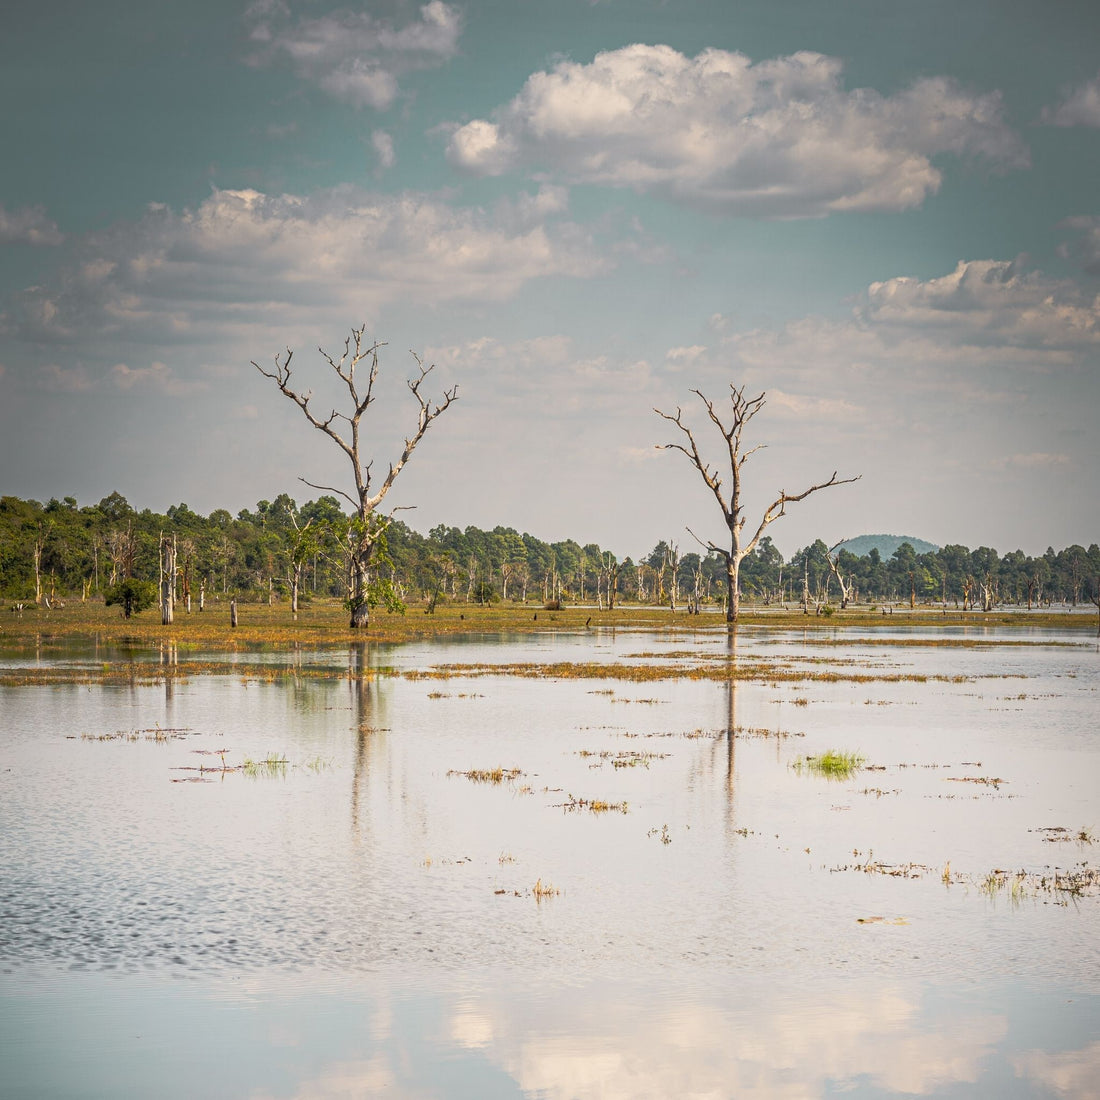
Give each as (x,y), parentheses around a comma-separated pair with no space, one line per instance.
(281,551)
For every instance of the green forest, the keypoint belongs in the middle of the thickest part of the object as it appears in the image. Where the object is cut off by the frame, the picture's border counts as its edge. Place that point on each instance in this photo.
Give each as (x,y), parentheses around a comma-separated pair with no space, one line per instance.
(281,550)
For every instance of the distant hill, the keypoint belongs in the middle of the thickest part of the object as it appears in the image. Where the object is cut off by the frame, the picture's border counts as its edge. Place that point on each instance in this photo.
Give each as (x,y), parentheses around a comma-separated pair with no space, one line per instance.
(885,545)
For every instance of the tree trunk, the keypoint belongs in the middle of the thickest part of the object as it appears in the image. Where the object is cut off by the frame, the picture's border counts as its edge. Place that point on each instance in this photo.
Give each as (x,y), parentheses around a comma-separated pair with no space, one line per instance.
(38,572)
(360,578)
(167,580)
(733,597)
(233,613)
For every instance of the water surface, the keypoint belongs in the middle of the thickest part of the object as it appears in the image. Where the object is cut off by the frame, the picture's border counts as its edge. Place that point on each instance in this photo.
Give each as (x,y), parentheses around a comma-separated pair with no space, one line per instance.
(365,919)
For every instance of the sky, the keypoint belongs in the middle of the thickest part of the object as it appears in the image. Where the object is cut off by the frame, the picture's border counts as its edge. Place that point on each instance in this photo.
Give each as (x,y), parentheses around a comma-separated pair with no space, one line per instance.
(883,215)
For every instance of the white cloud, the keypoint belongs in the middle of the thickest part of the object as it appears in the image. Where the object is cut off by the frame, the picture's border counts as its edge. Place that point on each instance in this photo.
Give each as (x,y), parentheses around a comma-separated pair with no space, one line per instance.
(1080,106)
(28,225)
(988,303)
(383,146)
(158,377)
(779,138)
(351,55)
(685,357)
(795,406)
(243,257)
(487,352)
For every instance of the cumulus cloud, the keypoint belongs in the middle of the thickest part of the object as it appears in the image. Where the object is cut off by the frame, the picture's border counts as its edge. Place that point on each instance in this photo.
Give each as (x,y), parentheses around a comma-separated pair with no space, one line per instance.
(794,406)
(1086,248)
(383,147)
(351,55)
(1080,106)
(28,225)
(988,303)
(779,138)
(158,377)
(179,276)
(981,345)
(684,356)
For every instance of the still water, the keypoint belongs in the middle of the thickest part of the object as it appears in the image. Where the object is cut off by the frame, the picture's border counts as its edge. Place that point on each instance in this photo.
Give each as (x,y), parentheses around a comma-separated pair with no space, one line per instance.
(370,916)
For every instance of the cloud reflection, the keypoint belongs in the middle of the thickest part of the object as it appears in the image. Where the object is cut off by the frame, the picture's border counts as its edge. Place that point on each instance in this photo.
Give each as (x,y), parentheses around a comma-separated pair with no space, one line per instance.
(784,1047)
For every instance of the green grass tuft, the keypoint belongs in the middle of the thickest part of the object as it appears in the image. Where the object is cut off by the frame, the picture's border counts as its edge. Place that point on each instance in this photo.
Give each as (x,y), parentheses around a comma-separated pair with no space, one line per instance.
(832,765)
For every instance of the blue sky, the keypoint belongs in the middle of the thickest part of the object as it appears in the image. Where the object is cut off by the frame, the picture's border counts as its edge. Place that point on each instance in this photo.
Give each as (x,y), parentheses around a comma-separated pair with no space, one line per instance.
(885,215)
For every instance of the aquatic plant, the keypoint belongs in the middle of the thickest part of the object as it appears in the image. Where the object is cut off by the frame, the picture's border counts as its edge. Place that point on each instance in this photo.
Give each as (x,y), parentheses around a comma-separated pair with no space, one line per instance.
(832,765)
(593,805)
(488,775)
(271,766)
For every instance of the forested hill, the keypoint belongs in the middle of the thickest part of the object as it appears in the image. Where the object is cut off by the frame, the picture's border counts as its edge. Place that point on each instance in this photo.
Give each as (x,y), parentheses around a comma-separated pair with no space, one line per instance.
(886,545)
(61,551)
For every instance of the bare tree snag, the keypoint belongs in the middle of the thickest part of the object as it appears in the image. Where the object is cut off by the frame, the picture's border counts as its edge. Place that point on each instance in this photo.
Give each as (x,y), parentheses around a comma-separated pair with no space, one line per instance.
(367,528)
(742,410)
(845,583)
(38,568)
(167,579)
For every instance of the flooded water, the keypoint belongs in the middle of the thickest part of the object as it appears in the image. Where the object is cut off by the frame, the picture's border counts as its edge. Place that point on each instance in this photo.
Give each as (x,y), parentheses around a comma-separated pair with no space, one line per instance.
(657,896)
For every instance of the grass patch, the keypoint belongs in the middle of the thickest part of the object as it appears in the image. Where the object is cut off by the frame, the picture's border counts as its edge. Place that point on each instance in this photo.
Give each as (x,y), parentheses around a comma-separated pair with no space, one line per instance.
(830,764)
(271,766)
(592,805)
(489,775)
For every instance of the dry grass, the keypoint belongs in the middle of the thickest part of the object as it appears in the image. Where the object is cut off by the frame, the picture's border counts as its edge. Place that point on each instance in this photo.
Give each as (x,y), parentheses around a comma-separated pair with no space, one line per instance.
(592,805)
(489,775)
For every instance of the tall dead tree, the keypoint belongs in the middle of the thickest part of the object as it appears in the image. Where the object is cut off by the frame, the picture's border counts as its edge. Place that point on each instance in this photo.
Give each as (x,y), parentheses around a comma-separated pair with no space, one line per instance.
(167,579)
(367,526)
(833,558)
(742,410)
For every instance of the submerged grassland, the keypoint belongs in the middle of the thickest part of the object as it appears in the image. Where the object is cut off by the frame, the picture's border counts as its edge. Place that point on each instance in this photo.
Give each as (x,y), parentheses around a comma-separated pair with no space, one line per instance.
(323,622)
(142,650)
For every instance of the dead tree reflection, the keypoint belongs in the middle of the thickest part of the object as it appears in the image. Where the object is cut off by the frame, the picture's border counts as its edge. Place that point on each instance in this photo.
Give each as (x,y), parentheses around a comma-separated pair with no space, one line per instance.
(731,723)
(366,711)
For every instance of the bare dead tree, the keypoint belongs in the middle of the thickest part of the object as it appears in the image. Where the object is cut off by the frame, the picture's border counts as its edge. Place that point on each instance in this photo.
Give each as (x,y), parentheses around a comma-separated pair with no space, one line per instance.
(672,562)
(368,527)
(167,579)
(742,410)
(845,583)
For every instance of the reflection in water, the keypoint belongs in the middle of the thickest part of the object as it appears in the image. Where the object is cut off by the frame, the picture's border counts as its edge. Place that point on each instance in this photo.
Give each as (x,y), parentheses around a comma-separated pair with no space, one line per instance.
(361,684)
(634,1041)
(1070,1073)
(731,726)
(773,1043)
(169,658)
